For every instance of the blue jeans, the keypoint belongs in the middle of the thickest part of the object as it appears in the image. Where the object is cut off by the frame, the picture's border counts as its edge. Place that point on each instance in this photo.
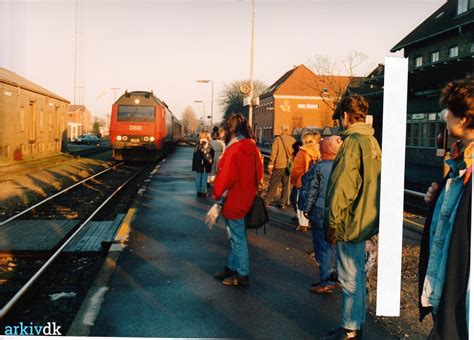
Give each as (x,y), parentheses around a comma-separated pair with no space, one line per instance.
(201,182)
(351,275)
(324,252)
(239,254)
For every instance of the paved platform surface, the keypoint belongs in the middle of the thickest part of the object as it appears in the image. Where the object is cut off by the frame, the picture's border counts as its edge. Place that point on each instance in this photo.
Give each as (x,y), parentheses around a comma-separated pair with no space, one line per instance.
(163,284)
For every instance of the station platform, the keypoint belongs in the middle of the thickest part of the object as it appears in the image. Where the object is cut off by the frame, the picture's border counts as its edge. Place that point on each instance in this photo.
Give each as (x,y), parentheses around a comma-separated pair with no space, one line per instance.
(163,284)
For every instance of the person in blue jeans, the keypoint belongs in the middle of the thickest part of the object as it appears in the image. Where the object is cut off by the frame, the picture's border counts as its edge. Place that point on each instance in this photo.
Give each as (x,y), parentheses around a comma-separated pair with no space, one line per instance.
(239,174)
(352,210)
(202,162)
(311,202)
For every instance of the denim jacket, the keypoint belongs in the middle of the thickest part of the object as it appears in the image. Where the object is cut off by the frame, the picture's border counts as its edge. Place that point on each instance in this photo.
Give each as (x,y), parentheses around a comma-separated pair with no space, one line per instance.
(440,237)
(312,194)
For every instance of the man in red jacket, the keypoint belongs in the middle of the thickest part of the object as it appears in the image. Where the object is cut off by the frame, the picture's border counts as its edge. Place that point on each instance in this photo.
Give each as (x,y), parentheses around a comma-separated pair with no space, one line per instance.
(238,173)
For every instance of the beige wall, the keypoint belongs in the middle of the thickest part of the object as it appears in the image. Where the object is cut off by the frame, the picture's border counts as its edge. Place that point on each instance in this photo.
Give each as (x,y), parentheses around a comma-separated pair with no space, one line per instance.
(301,112)
(30,123)
(82,117)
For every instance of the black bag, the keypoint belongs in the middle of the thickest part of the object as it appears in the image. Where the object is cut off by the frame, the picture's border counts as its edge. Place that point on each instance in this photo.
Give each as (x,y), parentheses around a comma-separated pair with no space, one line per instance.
(257,216)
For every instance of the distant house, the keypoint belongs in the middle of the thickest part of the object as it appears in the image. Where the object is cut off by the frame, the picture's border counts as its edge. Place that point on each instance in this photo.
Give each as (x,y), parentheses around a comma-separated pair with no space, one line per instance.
(299,99)
(77,121)
(30,118)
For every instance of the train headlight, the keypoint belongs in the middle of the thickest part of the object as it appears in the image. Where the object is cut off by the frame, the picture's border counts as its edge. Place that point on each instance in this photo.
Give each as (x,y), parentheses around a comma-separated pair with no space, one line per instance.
(152,139)
(124,138)
(146,138)
(119,138)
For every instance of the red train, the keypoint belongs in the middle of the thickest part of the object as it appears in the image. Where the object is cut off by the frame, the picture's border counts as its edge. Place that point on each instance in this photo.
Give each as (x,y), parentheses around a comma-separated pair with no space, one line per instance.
(142,127)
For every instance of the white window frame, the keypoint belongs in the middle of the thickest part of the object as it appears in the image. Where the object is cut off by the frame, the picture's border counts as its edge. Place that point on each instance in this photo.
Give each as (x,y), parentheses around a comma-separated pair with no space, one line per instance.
(453,51)
(434,56)
(463,6)
(419,61)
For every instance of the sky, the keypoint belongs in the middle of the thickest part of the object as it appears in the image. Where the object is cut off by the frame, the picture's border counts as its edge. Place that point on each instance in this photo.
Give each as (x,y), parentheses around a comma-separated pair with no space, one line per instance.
(166,45)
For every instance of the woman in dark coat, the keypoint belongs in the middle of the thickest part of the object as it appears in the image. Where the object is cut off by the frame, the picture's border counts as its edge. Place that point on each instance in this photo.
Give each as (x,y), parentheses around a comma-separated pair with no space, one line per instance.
(202,162)
(445,249)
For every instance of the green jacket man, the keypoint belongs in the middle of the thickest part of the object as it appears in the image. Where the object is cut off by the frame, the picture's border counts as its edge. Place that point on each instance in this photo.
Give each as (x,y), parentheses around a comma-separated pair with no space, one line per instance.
(353,194)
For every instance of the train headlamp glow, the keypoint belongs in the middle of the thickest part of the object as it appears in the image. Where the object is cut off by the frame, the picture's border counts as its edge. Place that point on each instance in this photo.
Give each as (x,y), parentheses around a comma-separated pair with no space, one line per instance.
(124,138)
(146,138)
(152,139)
(137,101)
(119,138)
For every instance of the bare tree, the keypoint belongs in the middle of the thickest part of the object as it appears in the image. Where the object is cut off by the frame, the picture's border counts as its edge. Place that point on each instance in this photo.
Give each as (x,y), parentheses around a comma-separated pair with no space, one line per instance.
(335,75)
(189,120)
(231,99)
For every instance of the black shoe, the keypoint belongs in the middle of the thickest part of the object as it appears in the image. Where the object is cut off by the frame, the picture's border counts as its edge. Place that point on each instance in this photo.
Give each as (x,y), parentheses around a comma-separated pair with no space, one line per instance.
(282,206)
(237,280)
(343,334)
(224,274)
(315,284)
(198,194)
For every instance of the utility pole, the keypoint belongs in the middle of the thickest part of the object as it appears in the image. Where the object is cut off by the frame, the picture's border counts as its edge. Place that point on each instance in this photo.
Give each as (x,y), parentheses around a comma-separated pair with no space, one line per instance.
(251,65)
(115,89)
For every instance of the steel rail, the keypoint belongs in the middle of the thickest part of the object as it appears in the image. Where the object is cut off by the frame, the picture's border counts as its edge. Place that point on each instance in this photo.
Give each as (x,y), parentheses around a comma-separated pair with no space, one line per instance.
(57,194)
(45,266)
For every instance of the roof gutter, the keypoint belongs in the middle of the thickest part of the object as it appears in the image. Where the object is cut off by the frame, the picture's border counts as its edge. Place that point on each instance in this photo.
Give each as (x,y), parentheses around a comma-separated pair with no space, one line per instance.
(397,48)
(50,95)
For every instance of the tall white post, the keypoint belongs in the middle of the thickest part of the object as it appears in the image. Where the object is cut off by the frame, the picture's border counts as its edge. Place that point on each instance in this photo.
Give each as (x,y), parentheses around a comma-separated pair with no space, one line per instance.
(391,192)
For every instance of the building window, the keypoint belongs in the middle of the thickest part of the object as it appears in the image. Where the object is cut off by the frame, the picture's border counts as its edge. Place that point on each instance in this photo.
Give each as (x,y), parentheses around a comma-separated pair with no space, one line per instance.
(422,130)
(418,61)
(462,6)
(408,142)
(434,57)
(453,52)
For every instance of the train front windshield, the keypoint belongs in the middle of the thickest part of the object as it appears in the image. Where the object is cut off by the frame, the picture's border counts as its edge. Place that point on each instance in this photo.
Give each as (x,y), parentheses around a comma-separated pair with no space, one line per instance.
(132,113)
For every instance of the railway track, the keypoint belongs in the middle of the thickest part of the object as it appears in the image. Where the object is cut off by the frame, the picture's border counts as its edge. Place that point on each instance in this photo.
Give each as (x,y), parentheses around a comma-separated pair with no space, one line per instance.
(27,280)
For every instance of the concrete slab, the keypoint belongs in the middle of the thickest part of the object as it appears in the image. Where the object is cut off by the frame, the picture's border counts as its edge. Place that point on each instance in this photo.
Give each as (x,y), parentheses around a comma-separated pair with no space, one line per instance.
(163,284)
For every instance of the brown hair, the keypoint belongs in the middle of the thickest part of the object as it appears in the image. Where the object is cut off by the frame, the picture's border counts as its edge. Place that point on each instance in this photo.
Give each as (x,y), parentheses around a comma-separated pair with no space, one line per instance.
(238,125)
(356,107)
(457,97)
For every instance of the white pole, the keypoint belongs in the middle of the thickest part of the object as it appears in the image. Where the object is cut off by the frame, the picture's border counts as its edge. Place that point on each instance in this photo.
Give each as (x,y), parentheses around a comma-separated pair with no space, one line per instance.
(392,183)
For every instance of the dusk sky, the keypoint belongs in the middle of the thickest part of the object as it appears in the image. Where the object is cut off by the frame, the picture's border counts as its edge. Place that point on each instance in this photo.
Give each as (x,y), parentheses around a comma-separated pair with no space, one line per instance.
(167,45)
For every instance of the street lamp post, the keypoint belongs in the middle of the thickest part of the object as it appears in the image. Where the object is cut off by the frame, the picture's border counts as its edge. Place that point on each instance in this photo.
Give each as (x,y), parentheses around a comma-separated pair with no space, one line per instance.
(203,111)
(251,65)
(212,95)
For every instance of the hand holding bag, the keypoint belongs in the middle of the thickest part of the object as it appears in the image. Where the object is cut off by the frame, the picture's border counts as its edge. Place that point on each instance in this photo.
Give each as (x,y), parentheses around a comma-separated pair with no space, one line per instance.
(257,216)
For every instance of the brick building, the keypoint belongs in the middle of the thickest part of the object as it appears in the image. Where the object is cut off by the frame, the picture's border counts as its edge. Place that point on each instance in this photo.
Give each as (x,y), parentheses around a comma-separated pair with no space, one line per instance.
(299,99)
(30,118)
(77,121)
